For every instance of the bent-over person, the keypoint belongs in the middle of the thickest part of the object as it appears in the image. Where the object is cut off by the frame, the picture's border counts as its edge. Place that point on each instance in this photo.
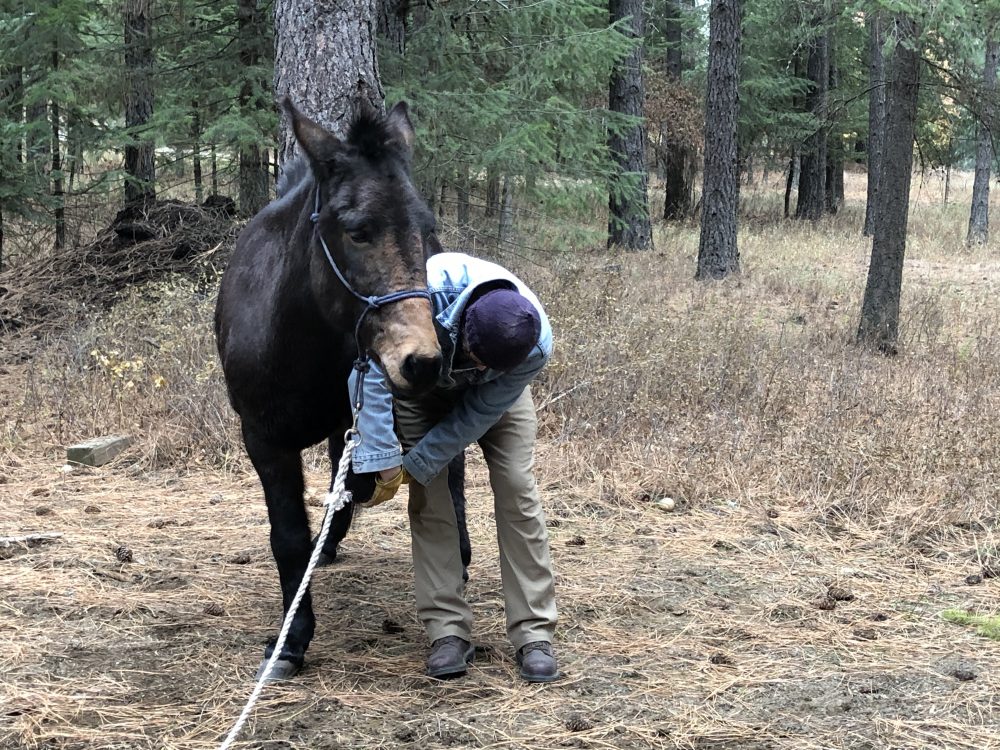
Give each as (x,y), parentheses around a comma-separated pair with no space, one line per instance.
(495,339)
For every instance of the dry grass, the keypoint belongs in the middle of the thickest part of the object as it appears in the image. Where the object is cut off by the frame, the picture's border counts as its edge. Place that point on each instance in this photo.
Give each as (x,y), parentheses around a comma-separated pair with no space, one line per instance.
(800,465)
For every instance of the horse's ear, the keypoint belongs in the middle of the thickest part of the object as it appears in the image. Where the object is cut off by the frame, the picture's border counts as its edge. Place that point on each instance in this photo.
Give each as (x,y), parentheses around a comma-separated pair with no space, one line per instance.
(399,126)
(320,145)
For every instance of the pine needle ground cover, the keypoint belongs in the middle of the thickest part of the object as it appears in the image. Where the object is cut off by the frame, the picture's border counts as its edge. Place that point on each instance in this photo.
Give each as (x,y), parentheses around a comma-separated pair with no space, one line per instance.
(830,506)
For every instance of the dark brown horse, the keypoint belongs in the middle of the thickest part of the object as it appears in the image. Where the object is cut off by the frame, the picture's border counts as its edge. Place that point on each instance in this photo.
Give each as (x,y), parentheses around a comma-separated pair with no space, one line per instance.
(348,225)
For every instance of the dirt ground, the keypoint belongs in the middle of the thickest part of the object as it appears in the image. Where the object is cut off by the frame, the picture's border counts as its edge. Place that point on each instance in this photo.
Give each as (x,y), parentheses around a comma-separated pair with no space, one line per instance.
(697,628)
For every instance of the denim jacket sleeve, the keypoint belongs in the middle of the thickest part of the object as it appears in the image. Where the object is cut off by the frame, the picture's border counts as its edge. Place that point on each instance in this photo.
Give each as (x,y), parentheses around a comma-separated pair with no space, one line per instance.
(470,419)
(379,448)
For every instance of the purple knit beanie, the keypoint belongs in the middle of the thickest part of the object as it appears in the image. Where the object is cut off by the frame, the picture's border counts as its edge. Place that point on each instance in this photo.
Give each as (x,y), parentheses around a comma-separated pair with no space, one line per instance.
(500,328)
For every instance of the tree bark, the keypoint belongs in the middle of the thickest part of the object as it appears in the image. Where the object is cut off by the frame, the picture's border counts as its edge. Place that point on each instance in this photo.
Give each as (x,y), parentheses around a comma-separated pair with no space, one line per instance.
(492,192)
(979,217)
(879,326)
(718,254)
(628,202)
(676,175)
(812,177)
(876,115)
(253,165)
(140,167)
(325,61)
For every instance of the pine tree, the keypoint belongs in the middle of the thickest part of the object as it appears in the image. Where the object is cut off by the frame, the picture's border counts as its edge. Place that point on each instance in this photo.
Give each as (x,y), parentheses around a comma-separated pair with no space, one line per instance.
(140,165)
(979,216)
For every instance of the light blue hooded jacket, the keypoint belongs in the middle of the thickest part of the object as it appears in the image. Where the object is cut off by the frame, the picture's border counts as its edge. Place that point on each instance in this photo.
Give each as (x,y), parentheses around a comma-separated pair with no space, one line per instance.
(452,279)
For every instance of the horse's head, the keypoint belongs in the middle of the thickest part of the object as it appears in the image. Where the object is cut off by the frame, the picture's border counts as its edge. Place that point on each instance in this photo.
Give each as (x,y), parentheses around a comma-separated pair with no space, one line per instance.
(379,231)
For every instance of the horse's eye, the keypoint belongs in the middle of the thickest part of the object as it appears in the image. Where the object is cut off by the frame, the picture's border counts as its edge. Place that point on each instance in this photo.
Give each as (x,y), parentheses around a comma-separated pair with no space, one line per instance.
(360,237)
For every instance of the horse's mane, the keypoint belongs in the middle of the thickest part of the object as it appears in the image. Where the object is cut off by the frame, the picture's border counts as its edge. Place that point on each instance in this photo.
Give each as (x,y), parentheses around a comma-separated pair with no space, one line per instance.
(372,136)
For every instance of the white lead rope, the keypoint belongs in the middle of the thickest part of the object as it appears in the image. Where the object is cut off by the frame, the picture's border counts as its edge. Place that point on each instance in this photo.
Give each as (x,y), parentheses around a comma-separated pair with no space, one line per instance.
(335,499)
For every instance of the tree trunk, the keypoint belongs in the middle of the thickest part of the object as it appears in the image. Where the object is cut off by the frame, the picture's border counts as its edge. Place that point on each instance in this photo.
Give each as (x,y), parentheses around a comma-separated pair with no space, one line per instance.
(253,164)
(718,254)
(979,217)
(462,192)
(391,23)
(628,202)
(879,326)
(506,228)
(325,61)
(196,151)
(876,115)
(492,192)
(790,181)
(140,168)
(215,170)
(834,187)
(676,175)
(812,177)
(57,177)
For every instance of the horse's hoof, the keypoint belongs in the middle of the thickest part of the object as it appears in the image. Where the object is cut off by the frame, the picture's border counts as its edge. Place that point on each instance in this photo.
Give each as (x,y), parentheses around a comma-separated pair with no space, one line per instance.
(283,670)
(465,575)
(325,559)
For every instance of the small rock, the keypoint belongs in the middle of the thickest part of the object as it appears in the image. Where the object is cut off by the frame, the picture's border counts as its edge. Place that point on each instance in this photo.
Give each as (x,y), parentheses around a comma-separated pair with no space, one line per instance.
(721,659)
(866,634)
(577,541)
(92,509)
(215,499)
(963,674)
(43,510)
(974,579)
(214,609)
(123,553)
(666,503)
(240,558)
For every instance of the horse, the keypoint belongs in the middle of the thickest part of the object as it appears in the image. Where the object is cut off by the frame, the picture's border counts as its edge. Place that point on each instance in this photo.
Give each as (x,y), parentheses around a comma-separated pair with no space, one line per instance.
(331,270)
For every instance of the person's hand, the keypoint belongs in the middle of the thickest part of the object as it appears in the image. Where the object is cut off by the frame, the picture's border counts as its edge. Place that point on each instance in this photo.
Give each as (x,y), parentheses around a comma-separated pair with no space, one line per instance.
(385,489)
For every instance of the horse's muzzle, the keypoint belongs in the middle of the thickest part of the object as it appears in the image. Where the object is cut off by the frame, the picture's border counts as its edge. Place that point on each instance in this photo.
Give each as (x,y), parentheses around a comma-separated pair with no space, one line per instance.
(421,372)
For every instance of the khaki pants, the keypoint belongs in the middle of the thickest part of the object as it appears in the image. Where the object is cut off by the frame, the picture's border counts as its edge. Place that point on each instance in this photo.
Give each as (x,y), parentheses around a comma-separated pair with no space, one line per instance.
(525,567)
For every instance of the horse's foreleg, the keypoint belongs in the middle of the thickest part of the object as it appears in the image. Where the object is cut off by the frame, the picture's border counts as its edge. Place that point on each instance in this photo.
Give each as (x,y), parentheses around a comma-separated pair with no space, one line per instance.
(456,486)
(280,472)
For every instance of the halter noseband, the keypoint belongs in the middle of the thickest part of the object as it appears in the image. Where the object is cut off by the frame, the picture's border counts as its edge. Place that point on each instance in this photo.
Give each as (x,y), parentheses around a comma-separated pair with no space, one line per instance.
(361,364)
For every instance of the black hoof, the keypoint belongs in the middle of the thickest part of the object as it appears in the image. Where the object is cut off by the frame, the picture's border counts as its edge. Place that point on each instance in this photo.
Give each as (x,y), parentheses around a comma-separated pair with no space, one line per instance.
(325,559)
(465,575)
(283,670)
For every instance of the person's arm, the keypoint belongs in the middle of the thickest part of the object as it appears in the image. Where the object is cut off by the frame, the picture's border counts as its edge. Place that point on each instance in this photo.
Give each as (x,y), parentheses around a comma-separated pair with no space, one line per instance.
(379,448)
(480,408)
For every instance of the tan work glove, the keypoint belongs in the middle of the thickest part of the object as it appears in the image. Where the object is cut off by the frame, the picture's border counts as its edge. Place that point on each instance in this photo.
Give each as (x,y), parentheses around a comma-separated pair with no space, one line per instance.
(386,490)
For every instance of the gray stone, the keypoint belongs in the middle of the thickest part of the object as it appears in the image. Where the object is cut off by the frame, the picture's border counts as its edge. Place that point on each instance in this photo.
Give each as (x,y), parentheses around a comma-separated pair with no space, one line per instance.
(97,451)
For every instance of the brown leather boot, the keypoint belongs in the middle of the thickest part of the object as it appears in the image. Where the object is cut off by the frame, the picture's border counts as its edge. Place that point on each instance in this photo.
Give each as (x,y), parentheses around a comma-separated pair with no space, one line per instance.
(449,657)
(537,662)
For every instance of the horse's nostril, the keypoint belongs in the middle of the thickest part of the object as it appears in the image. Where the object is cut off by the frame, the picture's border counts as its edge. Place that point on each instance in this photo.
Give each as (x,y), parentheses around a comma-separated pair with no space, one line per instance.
(421,370)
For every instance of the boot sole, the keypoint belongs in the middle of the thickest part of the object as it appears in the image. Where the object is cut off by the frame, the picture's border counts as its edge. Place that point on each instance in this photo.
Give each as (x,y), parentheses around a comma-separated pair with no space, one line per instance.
(454,670)
(536,678)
